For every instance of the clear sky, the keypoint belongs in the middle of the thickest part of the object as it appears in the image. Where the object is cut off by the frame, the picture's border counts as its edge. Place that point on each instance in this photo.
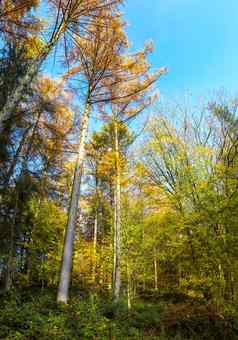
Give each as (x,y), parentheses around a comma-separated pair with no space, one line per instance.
(196,39)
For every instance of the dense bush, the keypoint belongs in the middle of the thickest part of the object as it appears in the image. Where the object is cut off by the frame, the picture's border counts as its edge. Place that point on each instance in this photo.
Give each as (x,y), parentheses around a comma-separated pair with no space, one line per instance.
(34,314)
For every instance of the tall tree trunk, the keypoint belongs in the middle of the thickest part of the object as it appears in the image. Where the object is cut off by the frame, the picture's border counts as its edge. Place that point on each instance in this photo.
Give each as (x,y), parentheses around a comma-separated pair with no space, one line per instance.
(144,269)
(155,270)
(95,229)
(128,274)
(9,269)
(228,283)
(95,233)
(114,242)
(10,264)
(117,222)
(15,159)
(63,289)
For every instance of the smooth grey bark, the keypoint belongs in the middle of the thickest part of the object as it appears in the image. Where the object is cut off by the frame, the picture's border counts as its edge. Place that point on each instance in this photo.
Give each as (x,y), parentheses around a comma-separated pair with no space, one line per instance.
(65,274)
(117,222)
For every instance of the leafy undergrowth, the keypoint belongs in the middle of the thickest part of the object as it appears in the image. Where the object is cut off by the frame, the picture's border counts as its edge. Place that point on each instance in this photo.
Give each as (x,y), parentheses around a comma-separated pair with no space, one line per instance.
(34,314)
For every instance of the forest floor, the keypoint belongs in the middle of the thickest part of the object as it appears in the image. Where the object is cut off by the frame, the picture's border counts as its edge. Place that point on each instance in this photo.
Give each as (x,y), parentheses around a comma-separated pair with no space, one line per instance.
(33,314)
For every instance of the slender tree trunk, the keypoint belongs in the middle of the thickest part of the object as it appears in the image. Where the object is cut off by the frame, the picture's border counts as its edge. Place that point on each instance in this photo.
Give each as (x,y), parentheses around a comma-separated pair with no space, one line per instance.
(9,270)
(114,243)
(134,288)
(15,159)
(228,287)
(29,146)
(144,270)
(95,232)
(111,283)
(95,229)
(16,95)
(10,264)
(117,222)
(63,289)
(155,270)
(128,284)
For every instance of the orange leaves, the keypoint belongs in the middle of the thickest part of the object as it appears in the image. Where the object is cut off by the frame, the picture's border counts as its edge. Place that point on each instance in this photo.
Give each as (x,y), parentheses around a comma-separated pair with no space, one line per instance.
(57,120)
(14,18)
(14,10)
(98,54)
(108,75)
(79,17)
(49,87)
(34,46)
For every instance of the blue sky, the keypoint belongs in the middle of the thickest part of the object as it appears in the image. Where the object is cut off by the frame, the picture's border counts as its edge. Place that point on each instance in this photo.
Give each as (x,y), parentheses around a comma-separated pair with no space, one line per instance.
(196,39)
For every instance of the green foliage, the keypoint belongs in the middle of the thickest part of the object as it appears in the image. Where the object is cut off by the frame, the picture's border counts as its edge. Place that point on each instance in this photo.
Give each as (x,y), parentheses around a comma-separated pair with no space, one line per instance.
(34,314)
(40,317)
(198,321)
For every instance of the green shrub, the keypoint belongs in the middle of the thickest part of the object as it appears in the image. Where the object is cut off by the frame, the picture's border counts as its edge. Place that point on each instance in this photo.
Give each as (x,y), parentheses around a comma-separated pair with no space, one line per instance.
(35,315)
